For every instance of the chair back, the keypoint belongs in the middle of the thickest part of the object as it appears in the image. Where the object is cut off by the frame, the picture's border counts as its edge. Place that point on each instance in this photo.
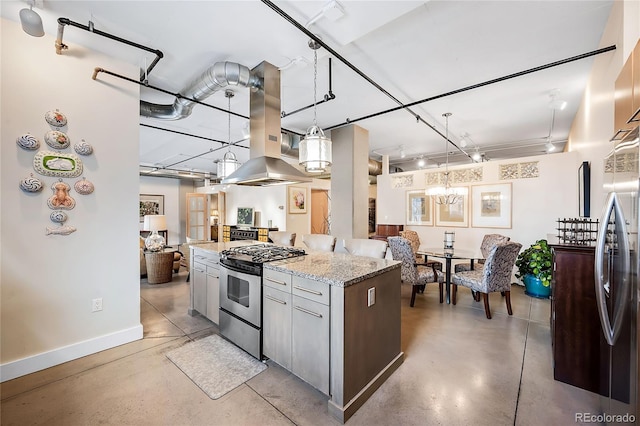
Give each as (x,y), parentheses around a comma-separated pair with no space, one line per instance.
(319,242)
(491,240)
(282,238)
(413,238)
(401,251)
(366,247)
(498,266)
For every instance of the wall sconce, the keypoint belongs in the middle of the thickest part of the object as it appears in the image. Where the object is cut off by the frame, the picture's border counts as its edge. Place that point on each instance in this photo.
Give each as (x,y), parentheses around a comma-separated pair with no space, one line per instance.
(31,21)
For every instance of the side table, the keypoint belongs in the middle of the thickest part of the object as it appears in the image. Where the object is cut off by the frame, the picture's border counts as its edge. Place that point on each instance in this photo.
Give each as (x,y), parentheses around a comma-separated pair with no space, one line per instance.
(159,266)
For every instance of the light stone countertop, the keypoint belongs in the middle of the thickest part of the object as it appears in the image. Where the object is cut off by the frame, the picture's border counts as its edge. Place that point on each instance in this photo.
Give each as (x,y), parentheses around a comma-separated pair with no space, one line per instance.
(338,269)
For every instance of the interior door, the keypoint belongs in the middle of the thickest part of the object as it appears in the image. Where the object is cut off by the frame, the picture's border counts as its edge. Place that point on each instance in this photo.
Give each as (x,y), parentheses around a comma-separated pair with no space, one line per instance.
(320,211)
(198,216)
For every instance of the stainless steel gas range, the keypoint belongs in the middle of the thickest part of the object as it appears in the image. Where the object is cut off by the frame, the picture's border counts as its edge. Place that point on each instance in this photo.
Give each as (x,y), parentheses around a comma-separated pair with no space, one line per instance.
(241,292)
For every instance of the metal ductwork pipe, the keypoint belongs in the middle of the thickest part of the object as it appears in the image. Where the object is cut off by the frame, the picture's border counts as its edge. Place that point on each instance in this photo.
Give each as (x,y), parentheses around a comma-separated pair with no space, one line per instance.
(216,77)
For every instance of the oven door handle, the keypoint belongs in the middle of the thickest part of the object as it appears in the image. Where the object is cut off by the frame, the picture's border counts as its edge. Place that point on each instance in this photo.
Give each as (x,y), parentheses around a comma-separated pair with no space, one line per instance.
(231,268)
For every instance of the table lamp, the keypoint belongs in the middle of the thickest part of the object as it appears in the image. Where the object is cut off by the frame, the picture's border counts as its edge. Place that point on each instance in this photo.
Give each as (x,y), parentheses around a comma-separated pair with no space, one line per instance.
(155,223)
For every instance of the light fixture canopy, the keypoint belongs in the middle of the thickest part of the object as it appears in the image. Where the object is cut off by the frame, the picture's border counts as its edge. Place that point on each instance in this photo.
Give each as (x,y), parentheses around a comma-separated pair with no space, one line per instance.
(31,22)
(446,194)
(229,162)
(315,147)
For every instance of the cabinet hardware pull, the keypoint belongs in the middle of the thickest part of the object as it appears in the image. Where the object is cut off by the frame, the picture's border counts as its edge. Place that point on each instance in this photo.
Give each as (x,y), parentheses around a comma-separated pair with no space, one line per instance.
(317,293)
(275,281)
(213,276)
(282,302)
(200,270)
(308,312)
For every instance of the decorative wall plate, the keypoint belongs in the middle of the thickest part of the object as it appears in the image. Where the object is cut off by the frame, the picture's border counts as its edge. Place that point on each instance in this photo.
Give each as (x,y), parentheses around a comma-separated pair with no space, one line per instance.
(28,141)
(84,187)
(61,198)
(58,216)
(56,139)
(83,148)
(31,184)
(49,163)
(56,118)
(60,230)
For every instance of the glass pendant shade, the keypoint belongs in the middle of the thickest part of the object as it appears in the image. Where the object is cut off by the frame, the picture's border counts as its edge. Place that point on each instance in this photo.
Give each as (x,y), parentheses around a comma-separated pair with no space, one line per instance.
(31,23)
(315,151)
(227,165)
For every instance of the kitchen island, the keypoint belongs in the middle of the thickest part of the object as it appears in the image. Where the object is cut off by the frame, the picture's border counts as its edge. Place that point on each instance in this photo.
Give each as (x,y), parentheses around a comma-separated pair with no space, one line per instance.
(332,319)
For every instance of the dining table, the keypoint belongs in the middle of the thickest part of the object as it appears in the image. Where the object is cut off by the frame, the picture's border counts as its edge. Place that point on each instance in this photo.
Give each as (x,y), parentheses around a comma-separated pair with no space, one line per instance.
(448,255)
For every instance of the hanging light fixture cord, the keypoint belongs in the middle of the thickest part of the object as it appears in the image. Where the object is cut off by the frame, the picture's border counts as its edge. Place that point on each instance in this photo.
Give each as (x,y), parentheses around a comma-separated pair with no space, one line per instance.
(315,85)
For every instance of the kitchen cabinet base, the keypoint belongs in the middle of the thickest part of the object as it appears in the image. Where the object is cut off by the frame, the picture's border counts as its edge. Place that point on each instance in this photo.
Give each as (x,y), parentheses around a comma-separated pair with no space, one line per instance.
(343,413)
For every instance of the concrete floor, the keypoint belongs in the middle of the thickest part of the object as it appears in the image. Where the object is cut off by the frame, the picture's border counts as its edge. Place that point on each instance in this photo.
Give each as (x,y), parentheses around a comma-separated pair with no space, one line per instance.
(459,369)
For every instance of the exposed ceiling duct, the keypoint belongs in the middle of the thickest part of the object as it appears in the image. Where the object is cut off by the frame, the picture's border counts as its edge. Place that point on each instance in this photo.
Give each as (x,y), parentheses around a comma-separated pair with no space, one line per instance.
(215,78)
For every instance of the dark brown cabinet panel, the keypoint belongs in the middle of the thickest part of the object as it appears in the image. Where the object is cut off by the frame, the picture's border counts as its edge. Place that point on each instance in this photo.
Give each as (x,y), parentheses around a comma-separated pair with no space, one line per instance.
(575,324)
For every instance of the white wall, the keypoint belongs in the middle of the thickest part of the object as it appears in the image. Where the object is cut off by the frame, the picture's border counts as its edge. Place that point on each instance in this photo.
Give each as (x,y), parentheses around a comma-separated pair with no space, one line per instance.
(48,282)
(537,203)
(170,189)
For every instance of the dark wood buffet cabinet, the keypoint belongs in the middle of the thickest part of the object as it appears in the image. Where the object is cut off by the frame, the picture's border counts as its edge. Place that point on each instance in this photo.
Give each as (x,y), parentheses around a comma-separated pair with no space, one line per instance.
(575,325)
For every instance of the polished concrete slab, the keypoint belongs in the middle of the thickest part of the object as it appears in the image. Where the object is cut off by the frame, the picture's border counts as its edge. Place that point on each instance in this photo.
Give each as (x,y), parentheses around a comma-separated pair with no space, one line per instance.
(460,368)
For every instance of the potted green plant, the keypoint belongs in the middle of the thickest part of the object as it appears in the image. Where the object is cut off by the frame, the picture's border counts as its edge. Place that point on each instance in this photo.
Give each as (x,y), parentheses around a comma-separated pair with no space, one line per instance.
(534,269)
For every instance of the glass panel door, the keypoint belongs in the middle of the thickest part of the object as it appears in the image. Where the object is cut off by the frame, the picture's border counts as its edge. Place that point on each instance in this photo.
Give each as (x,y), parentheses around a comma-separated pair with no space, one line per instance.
(198,216)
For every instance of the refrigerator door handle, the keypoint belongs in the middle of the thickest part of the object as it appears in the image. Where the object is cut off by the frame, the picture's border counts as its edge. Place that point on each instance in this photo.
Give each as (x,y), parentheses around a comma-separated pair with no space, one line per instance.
(611,331)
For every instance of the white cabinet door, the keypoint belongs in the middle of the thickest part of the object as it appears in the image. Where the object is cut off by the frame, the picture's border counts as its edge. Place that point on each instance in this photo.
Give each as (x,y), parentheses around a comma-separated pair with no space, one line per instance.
(310,342)
(276,326)
(213,294)
(199,282)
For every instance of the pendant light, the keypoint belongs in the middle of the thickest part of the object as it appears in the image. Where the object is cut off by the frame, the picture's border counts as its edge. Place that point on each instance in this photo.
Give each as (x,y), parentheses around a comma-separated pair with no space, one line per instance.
(229,162)
(315,148)
(446,194)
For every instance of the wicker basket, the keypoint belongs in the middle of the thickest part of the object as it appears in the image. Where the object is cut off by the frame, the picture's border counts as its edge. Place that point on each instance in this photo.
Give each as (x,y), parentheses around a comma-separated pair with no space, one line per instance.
(159,267)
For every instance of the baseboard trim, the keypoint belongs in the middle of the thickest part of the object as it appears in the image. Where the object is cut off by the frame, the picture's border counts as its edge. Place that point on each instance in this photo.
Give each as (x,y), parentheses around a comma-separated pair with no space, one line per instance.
(31,364)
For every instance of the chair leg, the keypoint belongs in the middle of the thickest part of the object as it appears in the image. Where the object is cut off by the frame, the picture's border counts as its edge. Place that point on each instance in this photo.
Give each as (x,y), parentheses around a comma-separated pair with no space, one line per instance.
(502,293)
(507,298)
(422,287)
(414,290)
(487,311)
(454,293)
(441,299)
(476,295)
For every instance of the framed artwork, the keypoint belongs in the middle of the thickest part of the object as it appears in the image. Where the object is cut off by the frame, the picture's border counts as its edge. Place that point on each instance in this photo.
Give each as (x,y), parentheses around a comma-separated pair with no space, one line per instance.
(491,206)
(419,210)
(297,199)
(151,204)
(453,215)
(584,189)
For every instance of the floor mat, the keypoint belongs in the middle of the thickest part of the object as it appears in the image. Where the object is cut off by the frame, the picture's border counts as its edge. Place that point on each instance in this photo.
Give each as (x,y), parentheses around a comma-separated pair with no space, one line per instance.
(215,365)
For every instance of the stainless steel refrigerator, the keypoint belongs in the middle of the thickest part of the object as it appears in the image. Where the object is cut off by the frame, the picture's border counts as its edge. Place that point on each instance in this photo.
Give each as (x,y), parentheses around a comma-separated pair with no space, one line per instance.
(617,262)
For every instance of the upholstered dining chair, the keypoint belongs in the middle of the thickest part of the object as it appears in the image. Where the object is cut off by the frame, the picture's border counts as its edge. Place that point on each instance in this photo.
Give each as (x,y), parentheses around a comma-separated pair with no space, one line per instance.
(410,272)
(366,247)
(494,276)
(414,239)
(282,238)
(488,241)
(319,242)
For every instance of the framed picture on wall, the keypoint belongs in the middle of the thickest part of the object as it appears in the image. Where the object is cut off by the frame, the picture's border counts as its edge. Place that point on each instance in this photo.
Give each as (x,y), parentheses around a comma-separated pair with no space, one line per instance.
(297,199)
(151,204)
(455,215)
(419,208)
(491,206)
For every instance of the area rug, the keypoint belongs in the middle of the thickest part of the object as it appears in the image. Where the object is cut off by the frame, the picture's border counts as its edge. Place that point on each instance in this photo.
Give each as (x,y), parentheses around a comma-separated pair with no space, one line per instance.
(215,365)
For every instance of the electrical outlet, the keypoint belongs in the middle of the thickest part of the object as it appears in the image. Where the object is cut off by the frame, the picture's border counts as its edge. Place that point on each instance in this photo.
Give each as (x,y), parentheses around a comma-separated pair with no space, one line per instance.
(96,305)
(371,296)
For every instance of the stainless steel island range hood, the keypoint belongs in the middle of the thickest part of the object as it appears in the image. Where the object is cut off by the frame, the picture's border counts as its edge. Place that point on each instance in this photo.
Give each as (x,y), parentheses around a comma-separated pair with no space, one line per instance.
(265,167)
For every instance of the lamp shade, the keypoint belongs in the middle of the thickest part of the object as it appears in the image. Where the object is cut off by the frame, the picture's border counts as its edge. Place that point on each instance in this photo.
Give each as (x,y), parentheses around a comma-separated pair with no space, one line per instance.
(156,222)
(315,151)
(227,165)
(31,23)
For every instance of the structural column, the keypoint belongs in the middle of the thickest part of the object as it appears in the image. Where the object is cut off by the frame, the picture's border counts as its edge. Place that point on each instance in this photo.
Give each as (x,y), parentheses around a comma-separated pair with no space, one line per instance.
(350,182)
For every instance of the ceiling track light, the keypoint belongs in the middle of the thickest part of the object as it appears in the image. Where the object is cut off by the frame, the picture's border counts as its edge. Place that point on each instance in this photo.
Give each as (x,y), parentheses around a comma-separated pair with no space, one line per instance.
(31,22)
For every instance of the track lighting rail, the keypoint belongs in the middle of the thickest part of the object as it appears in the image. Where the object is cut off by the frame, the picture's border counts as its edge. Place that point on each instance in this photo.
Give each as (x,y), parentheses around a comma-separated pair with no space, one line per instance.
(327,97)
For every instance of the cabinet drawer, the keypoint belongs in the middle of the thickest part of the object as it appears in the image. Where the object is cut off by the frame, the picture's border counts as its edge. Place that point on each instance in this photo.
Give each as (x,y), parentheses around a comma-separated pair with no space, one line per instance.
(312,290)
(278,280)
(213,271)
(200,267)
(208,259)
